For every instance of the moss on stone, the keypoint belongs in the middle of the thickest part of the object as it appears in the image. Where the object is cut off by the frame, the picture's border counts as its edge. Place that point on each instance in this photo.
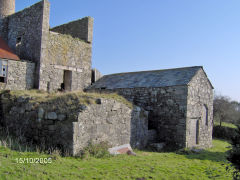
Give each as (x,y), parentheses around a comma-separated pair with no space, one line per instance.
(63,44)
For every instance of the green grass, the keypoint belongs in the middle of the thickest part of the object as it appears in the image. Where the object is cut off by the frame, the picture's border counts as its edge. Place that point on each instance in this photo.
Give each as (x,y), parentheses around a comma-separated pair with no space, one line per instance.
(83,97)
(209,164)
(230,125)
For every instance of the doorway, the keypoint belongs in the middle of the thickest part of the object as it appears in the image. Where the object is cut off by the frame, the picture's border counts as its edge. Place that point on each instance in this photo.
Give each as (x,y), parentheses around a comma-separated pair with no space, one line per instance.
(197,132)
(194,131)
(67,80)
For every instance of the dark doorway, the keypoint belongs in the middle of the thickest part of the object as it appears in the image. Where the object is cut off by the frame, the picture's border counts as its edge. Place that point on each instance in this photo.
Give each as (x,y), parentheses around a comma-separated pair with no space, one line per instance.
(152,121)
(197,132)
(194,131)
(2,79)
(205,115)
(67,80)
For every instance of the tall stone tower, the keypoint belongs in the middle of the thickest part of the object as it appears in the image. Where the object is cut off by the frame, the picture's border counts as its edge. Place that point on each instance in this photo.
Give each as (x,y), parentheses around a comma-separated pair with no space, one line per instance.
(7,7)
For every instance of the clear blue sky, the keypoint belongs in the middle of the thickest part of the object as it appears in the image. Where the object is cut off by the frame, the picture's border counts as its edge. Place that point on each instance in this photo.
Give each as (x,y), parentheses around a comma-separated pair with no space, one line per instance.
(136,35)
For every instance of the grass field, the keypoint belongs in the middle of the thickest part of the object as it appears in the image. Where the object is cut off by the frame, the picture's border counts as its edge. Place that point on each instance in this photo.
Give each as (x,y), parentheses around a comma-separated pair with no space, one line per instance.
(209,164)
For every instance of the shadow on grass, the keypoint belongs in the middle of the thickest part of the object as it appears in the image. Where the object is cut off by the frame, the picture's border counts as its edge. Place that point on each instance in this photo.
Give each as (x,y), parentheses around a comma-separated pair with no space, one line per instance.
(207,155)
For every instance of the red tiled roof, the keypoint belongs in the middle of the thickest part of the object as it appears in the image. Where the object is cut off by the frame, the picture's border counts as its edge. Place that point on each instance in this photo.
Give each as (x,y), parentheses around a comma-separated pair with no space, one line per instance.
(6,52)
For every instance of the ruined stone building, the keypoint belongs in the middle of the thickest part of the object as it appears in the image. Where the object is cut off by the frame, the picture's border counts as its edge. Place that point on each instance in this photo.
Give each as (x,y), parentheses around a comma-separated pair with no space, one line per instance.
(177,103)
(49,59)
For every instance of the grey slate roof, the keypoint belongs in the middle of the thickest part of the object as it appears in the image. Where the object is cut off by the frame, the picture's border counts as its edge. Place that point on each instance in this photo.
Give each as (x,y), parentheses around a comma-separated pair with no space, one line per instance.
(157,78)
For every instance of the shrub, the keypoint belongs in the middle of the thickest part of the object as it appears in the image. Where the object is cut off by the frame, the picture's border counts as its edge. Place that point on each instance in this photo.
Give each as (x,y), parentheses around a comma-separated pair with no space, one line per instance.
(95,150)
(234,154)
(223,132)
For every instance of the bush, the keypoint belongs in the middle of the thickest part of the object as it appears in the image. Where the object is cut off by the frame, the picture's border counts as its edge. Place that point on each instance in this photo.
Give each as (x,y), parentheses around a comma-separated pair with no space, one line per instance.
(95,150)
(234,154)
(223,132)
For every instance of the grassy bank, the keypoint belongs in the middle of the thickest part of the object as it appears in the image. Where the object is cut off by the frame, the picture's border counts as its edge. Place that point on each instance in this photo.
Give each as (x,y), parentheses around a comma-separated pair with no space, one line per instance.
(38,96)
(209,164)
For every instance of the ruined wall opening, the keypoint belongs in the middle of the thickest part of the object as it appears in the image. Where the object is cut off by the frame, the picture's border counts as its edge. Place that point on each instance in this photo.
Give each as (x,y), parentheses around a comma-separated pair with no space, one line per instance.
(152,121)
(205,115)
(67,80)
(3,71)
(197,132)
(18,44)
(194,131)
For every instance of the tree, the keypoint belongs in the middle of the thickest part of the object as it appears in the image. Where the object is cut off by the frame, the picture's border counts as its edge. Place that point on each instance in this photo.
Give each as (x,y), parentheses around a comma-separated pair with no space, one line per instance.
(225,110)
(222,109)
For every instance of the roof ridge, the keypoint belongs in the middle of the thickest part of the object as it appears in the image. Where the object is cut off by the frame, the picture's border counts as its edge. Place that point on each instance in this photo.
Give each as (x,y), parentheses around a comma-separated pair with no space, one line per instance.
(135,72)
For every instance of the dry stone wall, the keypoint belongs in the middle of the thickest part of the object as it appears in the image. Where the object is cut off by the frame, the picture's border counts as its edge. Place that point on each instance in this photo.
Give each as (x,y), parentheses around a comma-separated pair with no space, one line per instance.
(67,123)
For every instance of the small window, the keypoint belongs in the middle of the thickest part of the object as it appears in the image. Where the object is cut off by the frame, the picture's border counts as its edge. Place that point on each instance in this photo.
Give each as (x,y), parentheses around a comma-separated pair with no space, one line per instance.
(19,40)
(67,80)
(18,45)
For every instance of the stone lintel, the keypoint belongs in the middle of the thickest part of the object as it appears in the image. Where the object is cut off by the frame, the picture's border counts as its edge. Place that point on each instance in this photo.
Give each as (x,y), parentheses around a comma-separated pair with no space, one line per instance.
(68,68)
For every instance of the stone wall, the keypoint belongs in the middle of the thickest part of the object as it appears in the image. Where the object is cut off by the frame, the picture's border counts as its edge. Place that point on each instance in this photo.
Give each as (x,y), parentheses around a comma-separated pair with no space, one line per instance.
(70,122)
(4,28)
(26,33)
(82,29)
(112,122)
(66,53)
(20,75)
(200,111)
(96,75)
(167,109)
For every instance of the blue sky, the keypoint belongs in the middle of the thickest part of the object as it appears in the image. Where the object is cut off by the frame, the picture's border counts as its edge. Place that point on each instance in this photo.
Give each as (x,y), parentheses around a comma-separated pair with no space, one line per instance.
(134,35)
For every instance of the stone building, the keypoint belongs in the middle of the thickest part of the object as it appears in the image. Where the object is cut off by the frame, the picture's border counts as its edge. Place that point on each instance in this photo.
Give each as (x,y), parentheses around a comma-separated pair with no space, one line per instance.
(61,55)
(179,102)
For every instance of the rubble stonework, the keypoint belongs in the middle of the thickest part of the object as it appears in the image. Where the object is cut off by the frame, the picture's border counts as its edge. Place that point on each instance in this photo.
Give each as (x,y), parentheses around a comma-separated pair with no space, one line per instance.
(56,123)
(173,110)
(67,53)
(82,29)
(21,75)
(28,35)
(200,108)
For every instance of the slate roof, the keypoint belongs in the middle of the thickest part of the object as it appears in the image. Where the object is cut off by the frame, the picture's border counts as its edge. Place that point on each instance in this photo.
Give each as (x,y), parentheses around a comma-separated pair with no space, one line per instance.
(157,78)
(6,52)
